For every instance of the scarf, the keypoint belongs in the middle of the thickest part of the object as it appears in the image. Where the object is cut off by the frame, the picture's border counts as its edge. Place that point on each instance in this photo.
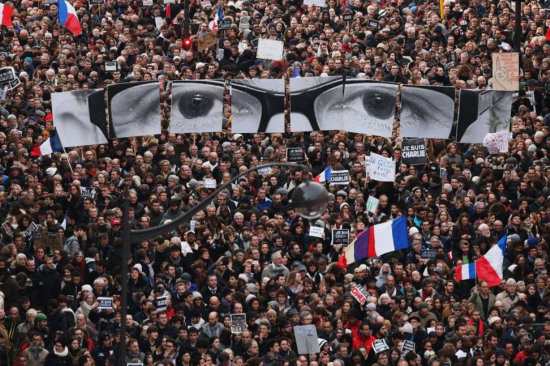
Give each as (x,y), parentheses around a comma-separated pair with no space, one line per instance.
(63,353)
(85,308)
(479,327)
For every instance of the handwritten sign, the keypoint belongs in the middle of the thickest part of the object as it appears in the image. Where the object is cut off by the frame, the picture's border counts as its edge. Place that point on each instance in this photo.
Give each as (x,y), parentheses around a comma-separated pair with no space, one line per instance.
(497,142)
(316,231)
(381,169)
(414,152)
(207,41)
(306,339)
(340,236)
(269,49)
(238,323)
(506,71)
(372,204)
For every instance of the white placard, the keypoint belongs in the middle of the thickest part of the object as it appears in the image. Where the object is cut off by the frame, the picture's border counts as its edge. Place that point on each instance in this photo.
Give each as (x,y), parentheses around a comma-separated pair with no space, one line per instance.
(269,49)
(159,22)
(339,177)
(381,169)
(497,142)
(209,183)
(242,46)
(320,3)
(306,339)
(372,204)
(206,3)
(316,231)
(380,346)
(264,171)
(105,303)
(162,303)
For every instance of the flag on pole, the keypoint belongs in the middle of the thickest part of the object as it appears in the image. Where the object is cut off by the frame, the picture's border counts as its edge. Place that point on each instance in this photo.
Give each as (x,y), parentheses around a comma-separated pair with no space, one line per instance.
(217,18)
(68,18)
(375,241)
(324,176)
(466,271)
(6,13)
(51,145)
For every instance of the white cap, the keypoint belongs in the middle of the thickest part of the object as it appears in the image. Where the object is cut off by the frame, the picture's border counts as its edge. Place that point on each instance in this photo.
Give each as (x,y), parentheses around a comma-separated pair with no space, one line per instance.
(51,171)
(413,230)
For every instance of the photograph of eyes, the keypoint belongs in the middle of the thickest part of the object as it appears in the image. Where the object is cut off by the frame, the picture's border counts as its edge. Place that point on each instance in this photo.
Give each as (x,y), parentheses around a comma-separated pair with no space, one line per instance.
(369,107)
(134,109)
(316,103)
(197,106)
(257,106)
(79,117)
(427,111)
(482,112)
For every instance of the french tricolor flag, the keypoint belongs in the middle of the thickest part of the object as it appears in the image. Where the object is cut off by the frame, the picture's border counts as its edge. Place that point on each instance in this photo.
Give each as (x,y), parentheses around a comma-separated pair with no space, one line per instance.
(375,241)
(324,176)
(217,18)
(6,13)
(466,272)
(68,18)
(51,145)
(489,267)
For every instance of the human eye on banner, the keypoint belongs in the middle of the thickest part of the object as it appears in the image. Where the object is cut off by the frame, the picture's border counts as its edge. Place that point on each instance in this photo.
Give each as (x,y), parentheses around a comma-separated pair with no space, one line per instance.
(134,109)
(258,106)
(482,112)
(317,104)
(197,106)
(427,111)
(79,117)
(369,107)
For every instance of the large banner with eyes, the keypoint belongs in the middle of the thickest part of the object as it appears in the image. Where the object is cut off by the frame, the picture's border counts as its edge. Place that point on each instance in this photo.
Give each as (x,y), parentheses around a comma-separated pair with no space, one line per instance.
(258,105)
(134,109)
(482,112)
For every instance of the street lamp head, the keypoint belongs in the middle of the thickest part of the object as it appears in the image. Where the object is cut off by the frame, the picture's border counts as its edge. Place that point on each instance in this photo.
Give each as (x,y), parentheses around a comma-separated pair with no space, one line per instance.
(310,199)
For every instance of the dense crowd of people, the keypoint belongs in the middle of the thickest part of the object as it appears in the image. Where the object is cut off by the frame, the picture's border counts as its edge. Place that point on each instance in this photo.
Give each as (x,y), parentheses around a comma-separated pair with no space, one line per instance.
(249,252)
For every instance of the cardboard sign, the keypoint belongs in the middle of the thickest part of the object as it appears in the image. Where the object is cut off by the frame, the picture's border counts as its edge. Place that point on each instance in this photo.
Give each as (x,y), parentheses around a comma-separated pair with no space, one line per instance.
(210,183)
(207,41)
(105,303)
(45,239)
(31,229)
(414,152)
(162,303)
(428,254)
(358,294)
(320,3)
(238,323)
(316,231)
(380,346)
(373,23)
(339,177)
(408,346)
(269,49)
(89,192)
(306,339)
(225,24)
(295,154)
(506,71)
(340,236)
(381,169)
(372,204)
(497,142)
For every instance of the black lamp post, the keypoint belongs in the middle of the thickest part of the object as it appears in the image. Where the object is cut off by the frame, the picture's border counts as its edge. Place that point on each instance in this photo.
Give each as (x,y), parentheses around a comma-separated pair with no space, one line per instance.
(309,199)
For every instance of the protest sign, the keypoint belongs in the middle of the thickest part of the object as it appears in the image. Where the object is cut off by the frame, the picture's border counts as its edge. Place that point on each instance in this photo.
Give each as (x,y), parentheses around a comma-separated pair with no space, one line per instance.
(428,253)
(209,183)
(264,171)
(7,228)
(46,239)
(506,71)
(31,229)
(380,346)
(105,303)
(408,346)
(89,192)
(162,303)
(320,3)
(348,15)
(358,294)
(225,24)
(316,231)
(269,49)
(340,236)
(207,41)
(372,204)
(381,169)
(306,339)
(9,78)
(244,23)
(295,154)
(496,143)
(339,177)
(413,152)
(373,23)
(442,173)
(238,323)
